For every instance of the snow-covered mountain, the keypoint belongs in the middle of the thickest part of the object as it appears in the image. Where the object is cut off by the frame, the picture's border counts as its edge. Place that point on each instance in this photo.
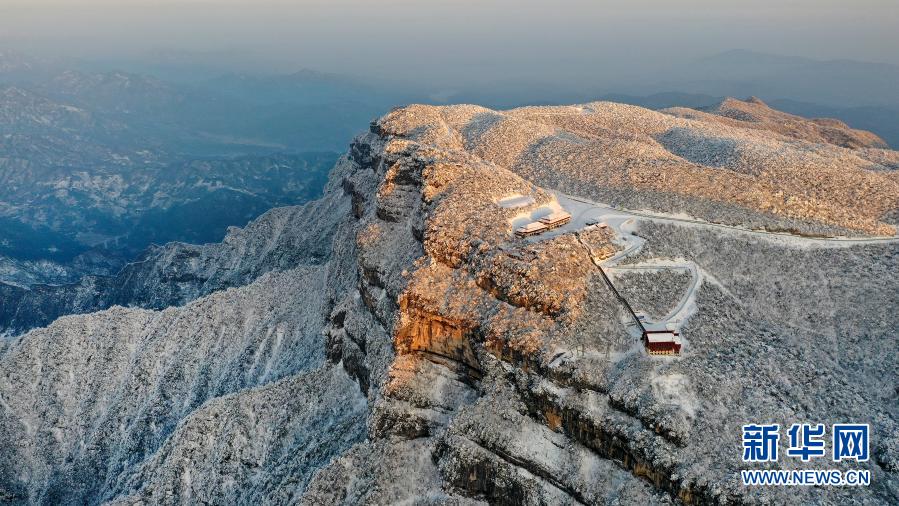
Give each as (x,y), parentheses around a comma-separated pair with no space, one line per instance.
(97,165)
(396,342)
(177,273)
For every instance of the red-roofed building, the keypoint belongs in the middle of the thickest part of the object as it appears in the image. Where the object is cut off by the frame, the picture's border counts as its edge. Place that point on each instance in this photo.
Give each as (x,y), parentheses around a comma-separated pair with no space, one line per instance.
(660,340)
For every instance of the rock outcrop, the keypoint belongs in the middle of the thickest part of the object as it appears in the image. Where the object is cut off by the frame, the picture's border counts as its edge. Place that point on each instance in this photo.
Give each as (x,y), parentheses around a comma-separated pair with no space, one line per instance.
(514,366)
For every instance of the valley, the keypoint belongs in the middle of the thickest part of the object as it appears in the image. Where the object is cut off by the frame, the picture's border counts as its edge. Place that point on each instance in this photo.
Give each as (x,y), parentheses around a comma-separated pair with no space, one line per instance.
(98,167)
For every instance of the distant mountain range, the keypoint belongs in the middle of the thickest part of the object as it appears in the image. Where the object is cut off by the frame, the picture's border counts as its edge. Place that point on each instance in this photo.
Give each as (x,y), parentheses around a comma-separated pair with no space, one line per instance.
(230,113)
(863,94)
(90,155)
(882,120)
(836,83)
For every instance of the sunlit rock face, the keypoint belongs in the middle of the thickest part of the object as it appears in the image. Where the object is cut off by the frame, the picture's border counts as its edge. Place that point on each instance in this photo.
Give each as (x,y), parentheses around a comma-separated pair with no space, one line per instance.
(431,356)
(514,363)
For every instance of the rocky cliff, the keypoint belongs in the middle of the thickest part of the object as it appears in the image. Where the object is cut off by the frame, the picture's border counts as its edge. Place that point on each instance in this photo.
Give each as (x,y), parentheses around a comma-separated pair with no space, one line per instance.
(396,342)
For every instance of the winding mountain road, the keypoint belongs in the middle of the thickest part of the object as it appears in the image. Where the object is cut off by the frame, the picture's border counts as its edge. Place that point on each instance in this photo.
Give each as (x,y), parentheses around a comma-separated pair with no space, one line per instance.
(623,222)
(604,209)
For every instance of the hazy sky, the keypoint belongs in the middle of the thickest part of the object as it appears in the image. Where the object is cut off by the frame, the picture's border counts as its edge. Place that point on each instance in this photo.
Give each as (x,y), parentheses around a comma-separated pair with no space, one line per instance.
(456,40)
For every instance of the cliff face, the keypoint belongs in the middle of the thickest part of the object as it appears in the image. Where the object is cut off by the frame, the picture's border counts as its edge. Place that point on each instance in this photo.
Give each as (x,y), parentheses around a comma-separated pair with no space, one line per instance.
(516,370)
(428,355)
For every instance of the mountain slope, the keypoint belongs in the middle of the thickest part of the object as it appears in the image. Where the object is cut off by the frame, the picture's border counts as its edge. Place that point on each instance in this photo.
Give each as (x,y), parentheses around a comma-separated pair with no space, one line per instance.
(755,113)
(539,345)
(178,272)
(464,364)
(880,120)
(265,452)
(707,166)
(158,368)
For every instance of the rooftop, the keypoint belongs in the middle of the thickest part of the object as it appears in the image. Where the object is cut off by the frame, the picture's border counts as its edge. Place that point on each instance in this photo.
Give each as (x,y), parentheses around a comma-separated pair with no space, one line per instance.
(556,216)
(663,337)
(652,328)
(532,227)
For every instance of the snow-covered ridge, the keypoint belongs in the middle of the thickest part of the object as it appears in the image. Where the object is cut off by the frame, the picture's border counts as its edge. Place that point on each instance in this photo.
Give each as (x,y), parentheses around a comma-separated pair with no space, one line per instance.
(752,171)
(395,342)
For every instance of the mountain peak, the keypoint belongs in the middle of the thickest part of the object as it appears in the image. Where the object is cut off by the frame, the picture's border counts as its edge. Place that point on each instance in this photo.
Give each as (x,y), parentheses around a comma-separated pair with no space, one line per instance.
(403,340)
(755,113)
(755,100)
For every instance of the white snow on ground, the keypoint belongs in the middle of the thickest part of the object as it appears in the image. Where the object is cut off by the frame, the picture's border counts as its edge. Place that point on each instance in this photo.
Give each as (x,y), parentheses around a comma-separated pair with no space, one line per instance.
(684,308)
(523,218)
(595,210)
(675,390)
(515,201)
(624,223)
